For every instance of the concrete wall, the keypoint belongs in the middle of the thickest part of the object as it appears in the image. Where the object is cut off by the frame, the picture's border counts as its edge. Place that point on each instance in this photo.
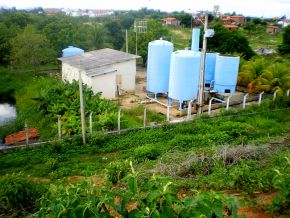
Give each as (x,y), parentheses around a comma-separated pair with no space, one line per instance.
(127,70)
(106,84)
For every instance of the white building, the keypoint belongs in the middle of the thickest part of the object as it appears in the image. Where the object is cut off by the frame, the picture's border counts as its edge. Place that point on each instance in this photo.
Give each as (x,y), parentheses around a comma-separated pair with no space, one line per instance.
(106,70)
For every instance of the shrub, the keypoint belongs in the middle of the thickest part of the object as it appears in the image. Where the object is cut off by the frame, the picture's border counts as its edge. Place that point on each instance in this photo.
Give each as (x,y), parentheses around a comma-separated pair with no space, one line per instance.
(20,194)
(149,151)
(117,170)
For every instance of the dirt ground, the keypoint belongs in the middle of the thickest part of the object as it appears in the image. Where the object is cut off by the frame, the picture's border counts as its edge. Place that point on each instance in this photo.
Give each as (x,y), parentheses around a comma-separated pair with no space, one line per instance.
(134,99)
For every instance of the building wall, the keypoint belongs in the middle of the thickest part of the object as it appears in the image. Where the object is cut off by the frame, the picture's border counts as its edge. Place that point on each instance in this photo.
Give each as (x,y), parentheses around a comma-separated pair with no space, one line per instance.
(127,70)
(106,84)
(69,73)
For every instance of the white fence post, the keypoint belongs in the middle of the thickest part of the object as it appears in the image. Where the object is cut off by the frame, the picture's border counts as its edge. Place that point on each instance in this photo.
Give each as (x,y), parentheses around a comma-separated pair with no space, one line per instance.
(209,106)
(168,114)
(119,121)
(275,95)
(260,97)
(26,132)
(145,116)
(189,110)
(245,100)
(228,102)
(59,126)
(91,123)
(288,92)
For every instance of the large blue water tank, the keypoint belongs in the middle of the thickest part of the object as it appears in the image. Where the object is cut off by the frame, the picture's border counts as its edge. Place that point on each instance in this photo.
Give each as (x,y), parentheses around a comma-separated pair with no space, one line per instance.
(71,51)
(184,75)
(226,74)
(158,66)
(210,61)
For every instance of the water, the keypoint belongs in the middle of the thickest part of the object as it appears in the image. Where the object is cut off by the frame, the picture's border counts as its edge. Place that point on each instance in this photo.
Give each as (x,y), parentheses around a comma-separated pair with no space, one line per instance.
(7,113)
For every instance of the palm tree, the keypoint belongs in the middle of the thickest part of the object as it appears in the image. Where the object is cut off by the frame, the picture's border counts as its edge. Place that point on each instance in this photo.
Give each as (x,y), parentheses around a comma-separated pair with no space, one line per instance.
(275,77)
(251,70)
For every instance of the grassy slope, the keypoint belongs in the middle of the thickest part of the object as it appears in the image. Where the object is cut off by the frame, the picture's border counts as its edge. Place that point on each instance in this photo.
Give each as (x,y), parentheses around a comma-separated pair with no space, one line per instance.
(261,39)
(180,37)
(55,161)
(196,146)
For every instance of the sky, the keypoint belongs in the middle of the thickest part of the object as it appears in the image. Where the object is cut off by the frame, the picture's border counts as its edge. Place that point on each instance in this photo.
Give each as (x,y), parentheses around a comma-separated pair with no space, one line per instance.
(258,8)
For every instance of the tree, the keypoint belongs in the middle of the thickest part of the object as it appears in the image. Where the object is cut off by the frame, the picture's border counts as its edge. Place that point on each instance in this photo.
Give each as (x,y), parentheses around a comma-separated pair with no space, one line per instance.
(5,35)
(31,48)
(274,78)
(60,33)
(284,48)
(116,35)
(228,42)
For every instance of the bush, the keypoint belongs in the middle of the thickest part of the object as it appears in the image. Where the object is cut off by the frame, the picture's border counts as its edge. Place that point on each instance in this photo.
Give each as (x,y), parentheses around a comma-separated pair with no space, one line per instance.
(20,194)
(117,171)
(149,151)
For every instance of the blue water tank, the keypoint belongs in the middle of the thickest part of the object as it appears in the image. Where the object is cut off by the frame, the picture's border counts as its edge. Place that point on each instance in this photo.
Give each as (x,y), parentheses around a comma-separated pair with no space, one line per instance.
(158,66)
(72,51)
(195,39)
(226,74)
(210,60)
(184,75)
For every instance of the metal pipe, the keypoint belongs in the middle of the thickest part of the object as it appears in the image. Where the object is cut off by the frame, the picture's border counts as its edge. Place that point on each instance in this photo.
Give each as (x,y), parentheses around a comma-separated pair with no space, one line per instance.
(211,84)
(260,97)
(228,102)
(155,100)
(275,95)
(245,100)
(201,78)
(210,103)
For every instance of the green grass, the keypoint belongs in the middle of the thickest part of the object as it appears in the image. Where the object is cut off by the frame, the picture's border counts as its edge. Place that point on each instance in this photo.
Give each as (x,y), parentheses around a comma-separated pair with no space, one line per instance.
(188,155)
(260,39)
(180,37)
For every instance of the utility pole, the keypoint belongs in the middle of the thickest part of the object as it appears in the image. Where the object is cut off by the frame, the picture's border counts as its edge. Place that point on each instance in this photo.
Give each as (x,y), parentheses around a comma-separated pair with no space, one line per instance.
(82,106)
(202,68)
(136,44)
(126,41)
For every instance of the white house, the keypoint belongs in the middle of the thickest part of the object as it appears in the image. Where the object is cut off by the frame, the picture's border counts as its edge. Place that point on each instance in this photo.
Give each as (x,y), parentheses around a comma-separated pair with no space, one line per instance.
(106,70)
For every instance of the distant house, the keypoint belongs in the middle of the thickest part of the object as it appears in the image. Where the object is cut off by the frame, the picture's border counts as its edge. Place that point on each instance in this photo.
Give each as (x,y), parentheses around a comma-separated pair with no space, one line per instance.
(98,13)
(170,21)
(285,23)
(231,27)
(52,11)
(235,20)
(273,29)
(238,19)
(106,70)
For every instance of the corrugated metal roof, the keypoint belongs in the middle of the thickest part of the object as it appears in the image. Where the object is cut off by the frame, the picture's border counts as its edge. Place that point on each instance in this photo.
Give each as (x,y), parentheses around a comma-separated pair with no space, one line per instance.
(98,58)
(100,71)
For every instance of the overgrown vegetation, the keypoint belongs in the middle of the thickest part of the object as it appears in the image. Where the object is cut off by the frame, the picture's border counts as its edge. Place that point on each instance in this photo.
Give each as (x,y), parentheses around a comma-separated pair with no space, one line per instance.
(265,74)
(172,169)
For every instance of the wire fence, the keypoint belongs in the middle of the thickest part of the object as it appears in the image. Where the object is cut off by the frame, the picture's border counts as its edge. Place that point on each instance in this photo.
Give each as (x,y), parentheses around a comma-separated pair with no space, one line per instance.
(189,118)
